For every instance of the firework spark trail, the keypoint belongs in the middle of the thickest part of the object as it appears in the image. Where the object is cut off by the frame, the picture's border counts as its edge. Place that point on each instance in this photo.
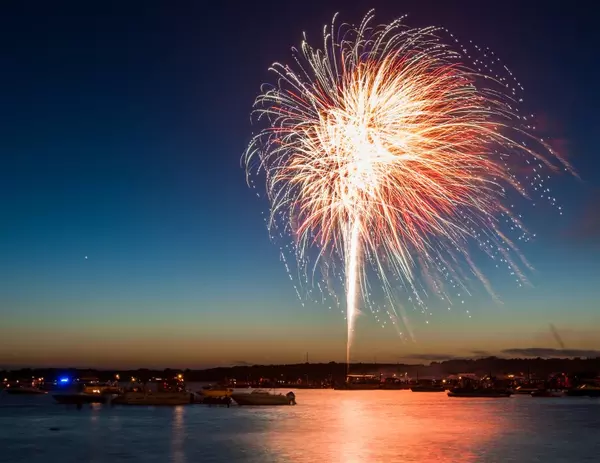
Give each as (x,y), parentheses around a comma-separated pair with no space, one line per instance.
(389,155)
(352,266)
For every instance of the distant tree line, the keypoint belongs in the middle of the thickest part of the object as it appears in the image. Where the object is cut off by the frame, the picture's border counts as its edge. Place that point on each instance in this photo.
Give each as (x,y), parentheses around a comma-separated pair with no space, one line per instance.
(539,367)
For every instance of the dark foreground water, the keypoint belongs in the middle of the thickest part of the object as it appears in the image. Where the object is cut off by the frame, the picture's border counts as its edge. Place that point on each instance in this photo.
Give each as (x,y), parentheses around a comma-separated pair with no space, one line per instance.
(325,426)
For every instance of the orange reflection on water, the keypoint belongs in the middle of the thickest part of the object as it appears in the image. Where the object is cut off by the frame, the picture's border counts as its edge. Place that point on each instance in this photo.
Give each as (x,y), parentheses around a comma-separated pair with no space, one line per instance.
(178,435)
(387,426)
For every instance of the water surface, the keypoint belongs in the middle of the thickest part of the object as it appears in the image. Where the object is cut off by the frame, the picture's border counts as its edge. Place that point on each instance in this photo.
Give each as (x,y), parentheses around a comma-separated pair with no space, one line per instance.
(325,426)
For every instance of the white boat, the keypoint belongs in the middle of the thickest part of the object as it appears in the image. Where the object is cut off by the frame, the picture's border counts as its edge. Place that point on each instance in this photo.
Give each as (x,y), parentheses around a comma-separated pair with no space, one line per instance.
(260,397)
(157,398)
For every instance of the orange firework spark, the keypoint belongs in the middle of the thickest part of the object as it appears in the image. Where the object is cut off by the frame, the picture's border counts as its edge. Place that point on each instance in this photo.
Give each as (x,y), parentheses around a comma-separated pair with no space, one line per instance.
(385,151)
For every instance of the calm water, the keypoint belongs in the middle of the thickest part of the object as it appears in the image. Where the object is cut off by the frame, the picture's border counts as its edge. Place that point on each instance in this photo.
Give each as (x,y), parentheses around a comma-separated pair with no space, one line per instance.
(325,426)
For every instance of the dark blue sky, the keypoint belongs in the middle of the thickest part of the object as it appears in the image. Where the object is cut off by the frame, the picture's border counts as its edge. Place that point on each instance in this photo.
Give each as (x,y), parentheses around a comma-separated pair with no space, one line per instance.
(122,128)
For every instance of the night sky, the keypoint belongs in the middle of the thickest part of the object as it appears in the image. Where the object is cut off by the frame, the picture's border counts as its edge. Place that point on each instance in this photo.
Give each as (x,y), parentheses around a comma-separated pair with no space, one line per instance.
(130,238)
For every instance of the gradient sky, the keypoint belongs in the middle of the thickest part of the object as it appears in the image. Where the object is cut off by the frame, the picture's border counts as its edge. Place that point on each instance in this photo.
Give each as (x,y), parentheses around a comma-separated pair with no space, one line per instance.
(123,124)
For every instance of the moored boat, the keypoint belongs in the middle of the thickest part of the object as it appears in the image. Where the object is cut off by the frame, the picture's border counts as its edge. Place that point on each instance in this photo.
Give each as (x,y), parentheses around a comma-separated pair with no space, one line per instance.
(89,392)
(102,389)
(394,384)
(259,397)
(169,392)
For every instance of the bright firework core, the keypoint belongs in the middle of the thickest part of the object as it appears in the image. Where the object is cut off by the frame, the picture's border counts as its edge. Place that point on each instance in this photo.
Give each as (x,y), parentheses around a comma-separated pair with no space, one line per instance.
(391,157)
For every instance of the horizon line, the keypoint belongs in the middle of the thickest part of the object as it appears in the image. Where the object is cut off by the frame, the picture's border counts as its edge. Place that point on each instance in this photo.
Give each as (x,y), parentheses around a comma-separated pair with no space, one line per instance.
(250,365)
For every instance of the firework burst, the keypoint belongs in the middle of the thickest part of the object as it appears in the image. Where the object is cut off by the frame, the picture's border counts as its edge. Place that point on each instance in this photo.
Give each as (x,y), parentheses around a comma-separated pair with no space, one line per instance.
(388,159)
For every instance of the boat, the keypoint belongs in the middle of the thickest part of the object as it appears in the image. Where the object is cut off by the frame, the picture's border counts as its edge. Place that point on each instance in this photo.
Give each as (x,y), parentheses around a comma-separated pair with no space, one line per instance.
(394,384)
(548,393)
(169,392)
(478,392)
(89,392)
(106,389)
(215,391)
(431,388)
(156,398)
(360,382)
(260,397)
